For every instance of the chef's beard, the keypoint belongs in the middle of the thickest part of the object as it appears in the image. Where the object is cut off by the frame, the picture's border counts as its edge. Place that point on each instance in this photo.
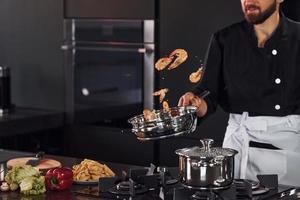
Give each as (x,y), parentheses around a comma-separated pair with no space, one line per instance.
(261,16)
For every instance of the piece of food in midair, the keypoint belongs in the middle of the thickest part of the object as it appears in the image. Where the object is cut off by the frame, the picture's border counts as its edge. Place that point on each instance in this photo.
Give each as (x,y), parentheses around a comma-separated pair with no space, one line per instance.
(161,93)
(163,63)
(149,115)
(178,56)
(195,77)
(165,106)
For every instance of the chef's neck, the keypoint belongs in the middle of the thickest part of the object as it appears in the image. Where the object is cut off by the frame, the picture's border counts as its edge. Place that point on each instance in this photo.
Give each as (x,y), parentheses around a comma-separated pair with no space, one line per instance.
(265,30)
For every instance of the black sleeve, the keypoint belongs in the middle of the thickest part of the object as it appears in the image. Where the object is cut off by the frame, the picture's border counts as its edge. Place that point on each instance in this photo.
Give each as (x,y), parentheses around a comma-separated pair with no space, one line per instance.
(212,79)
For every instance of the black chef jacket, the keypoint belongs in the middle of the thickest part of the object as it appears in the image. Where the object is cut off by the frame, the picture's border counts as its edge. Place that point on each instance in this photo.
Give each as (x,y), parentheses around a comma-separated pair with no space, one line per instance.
(244,78)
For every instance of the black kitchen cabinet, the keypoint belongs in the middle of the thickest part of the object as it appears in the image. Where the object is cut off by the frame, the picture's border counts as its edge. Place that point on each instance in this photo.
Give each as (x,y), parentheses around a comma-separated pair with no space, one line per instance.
(110,9)
(107,144)
(31,32)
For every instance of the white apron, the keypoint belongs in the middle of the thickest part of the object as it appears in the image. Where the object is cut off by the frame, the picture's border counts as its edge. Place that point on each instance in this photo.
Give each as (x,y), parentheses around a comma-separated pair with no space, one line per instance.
(281,132)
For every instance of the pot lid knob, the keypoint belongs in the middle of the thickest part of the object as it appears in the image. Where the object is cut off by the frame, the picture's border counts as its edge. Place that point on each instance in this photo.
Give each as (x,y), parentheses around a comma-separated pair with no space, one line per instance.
(206,144)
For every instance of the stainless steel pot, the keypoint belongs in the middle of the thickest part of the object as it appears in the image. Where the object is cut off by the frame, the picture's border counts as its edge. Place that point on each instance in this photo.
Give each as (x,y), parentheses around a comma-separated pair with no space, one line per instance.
(207,167)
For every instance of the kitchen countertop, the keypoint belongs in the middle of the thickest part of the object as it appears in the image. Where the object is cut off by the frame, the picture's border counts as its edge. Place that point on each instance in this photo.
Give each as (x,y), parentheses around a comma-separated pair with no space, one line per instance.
(55,195)
(26,120)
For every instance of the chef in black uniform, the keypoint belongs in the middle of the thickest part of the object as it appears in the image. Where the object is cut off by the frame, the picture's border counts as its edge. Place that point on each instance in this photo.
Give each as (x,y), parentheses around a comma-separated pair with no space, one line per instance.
(252,70)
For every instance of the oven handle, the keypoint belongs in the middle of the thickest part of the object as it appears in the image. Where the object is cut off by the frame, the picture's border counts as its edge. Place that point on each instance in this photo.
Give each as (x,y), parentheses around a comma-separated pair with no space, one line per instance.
(66,47)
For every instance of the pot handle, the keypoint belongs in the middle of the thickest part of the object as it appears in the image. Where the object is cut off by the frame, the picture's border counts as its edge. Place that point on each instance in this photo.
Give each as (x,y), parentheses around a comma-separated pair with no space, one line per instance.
(206,144)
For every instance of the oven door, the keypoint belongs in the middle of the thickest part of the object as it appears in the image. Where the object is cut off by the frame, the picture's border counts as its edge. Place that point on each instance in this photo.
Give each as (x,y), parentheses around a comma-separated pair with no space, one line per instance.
(107,82)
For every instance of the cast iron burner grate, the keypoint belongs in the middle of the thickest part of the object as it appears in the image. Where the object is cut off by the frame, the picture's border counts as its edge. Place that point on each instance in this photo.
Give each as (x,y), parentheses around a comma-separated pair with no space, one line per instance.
(165,177)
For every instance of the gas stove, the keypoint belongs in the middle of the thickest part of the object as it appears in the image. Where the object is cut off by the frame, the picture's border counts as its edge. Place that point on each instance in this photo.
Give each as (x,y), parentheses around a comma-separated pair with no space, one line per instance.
(161,184)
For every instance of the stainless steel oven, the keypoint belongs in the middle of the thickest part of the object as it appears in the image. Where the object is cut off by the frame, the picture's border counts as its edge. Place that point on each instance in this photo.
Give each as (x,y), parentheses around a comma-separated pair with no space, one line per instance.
(109,73)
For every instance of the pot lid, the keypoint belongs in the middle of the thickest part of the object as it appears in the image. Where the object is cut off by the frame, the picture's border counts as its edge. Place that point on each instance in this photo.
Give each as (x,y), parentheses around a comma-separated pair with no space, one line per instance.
(206,151)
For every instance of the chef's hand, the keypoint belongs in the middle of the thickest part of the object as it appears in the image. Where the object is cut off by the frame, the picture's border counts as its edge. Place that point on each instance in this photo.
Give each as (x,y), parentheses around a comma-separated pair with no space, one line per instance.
(189,99)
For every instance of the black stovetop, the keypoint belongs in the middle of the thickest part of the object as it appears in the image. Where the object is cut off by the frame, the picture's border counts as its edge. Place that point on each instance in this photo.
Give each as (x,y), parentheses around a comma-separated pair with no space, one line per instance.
(164,187)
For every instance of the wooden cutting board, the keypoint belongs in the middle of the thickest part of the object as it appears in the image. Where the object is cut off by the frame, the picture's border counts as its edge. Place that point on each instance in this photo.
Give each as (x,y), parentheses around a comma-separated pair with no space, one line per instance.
(44,164)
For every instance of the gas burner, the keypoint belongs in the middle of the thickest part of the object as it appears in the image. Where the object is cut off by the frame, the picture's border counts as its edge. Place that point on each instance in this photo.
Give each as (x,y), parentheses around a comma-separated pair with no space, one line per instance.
(254,184)
(260,190)
(125,185)
(204,195)
(128,188)
(246,184)
(242,183)
(171,181)
(206,188)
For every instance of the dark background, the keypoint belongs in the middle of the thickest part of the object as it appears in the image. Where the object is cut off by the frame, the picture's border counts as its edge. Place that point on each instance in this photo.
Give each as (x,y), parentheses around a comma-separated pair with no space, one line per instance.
(30,39)
(31,33)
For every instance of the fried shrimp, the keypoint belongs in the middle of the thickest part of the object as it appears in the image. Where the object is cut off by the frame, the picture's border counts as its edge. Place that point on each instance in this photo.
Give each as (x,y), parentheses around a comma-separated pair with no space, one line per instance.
(165,106)
(178,56)
(161,93)
(163,63)
(149,115)
(196,76)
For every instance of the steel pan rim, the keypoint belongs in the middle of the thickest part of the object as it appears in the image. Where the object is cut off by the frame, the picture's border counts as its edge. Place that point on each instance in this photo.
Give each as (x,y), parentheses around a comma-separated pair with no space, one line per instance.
(165,125)
(162,127)
(190,111)
(164,136)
